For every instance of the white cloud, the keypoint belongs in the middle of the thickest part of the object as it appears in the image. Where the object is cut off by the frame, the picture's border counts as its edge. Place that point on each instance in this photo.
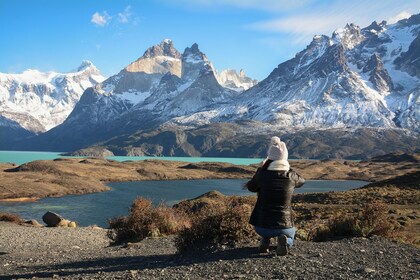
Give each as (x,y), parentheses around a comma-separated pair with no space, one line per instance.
(100,20)
(324,19)
(400,16)
(125,16)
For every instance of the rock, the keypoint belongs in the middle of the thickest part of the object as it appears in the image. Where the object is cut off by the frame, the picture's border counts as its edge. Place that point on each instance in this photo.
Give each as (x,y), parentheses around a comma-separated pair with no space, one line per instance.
(34,223)
(94,151)
(52,219)
(64,223)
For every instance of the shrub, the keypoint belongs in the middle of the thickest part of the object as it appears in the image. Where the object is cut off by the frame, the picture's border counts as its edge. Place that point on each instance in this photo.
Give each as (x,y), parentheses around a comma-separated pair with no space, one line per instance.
(144,220)
(7,217)
(371,220)
(227,227)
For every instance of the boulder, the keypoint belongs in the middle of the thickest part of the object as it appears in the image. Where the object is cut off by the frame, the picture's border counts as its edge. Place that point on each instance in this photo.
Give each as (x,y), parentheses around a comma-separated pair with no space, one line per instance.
(72,224)
(64,223)
(34,223)
(52,219)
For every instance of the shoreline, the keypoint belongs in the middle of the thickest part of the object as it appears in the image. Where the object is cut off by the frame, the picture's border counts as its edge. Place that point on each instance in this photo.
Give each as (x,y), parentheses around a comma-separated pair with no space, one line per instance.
(72,176)
(20,199)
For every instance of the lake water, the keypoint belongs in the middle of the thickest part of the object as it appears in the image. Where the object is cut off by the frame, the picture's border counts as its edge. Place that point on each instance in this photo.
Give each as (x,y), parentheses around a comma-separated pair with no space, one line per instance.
(97,208)
(20,157)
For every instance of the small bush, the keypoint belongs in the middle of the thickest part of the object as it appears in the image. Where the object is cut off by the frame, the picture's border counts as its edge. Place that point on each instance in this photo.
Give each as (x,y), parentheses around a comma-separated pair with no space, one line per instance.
(144,220)
(227,227)
(7,217)
(371,220)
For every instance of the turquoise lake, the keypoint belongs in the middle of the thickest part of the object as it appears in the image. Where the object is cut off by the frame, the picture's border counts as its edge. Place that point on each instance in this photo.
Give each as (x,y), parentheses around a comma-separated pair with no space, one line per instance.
(97,208)
(20,157)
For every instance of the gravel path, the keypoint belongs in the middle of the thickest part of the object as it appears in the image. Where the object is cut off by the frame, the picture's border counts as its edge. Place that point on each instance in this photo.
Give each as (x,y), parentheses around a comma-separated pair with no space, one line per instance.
(84,253)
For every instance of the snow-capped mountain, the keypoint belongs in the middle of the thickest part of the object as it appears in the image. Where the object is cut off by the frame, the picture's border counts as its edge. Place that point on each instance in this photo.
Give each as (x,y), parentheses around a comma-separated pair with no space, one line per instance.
(39,101)
(357,78)
(159,86)
(239,82)
(359,84)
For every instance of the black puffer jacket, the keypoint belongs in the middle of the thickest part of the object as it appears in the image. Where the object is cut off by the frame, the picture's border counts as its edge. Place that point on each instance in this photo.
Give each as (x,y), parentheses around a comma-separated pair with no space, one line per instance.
(275,189)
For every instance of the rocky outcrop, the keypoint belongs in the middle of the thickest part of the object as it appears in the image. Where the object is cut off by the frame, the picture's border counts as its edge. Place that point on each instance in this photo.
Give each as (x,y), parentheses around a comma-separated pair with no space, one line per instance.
(91,152)
(378,75)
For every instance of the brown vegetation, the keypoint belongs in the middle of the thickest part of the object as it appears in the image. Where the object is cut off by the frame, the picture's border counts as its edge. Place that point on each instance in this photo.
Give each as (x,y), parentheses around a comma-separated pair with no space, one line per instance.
(145,220)
(371,220)
(216,220)
(12,218)
(60,177)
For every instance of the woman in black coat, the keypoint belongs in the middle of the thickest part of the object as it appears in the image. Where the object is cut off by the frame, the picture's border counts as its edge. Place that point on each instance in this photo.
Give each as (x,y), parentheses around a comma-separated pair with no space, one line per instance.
(274,182)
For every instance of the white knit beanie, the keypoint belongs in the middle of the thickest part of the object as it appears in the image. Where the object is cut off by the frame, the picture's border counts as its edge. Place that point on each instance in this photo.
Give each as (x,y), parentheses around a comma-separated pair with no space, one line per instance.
(277,149)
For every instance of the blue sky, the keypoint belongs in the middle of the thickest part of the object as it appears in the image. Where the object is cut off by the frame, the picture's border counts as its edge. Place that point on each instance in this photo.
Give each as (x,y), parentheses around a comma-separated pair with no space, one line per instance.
(254,35)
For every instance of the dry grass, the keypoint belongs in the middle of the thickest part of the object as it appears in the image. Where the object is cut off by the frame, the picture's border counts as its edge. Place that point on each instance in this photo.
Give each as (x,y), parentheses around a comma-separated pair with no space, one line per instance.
(228,227)
(371,220)
(145,220)
(217,220)
(12,218)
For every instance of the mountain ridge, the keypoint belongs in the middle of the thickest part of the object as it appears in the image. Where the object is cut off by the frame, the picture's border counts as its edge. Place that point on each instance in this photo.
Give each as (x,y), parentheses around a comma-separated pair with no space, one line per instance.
(359,79)
(39,100)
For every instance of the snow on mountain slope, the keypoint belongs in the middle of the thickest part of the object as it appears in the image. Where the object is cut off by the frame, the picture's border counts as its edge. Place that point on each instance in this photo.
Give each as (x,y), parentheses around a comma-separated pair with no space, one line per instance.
(162,81)
(232,80)
(39,101)
(357,78)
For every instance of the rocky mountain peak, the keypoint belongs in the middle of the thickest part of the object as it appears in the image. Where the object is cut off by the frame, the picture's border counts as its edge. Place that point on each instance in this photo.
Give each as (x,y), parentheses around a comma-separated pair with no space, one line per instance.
(375,26)
(158,59)
(413,20)
(238,82)
(85,64)
(165,48)
(194,63)
(349,36)
(193,53)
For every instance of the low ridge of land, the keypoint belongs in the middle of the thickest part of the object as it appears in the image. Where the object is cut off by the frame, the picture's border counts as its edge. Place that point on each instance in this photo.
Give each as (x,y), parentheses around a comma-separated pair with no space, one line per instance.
(59,177)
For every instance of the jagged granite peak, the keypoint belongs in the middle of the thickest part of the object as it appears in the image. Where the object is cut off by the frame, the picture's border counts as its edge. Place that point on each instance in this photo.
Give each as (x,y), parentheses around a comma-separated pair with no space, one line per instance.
(376,27)
(165,48)
(195,63)
(231,79)
(39,101)
(349,36)
(86,64)
(158,59)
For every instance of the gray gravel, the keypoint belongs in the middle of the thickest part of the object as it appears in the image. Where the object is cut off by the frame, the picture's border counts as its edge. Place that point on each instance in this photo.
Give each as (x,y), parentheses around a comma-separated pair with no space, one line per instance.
(84,253)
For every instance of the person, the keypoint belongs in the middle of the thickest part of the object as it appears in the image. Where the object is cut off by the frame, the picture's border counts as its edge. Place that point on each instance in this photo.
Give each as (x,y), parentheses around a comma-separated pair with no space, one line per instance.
(274,182)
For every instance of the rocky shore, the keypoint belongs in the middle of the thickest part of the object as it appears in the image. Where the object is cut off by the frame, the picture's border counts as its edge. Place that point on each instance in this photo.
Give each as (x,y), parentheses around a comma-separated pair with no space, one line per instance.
(59,177)
(84,253)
